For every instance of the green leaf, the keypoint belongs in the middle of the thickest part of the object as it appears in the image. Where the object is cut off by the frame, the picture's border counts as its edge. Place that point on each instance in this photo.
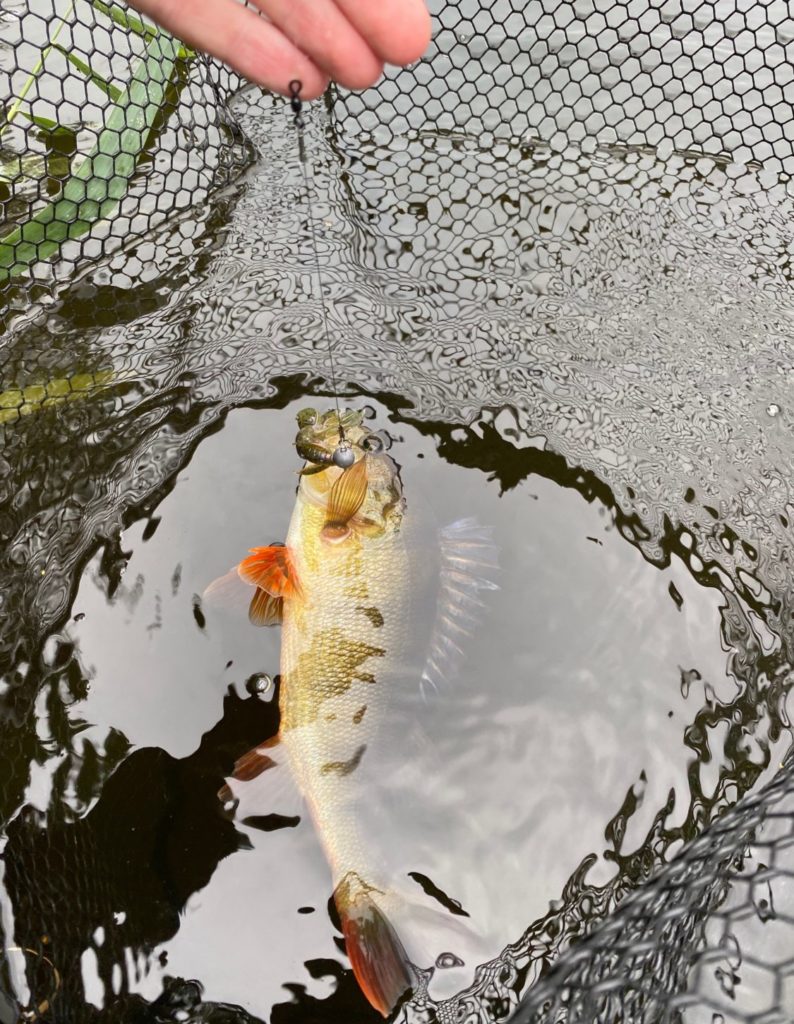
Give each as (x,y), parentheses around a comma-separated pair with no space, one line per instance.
(107,88)
(126,21)
(41,122)
(39,65)
(15,403)
(101,180)
(20,168)
(132,24)
(49,127)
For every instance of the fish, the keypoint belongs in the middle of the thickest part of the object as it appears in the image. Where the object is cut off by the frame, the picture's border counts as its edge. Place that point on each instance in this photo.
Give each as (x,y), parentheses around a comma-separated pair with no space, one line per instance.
(343,587)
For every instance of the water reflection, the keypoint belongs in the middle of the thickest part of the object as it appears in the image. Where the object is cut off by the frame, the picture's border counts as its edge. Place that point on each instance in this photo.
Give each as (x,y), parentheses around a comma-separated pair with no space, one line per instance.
(593,695)
(115,881)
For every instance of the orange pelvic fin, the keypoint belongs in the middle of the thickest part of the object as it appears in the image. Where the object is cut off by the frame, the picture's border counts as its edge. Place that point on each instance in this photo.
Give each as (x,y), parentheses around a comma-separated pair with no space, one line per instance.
(345,499)
(266,610)
(272,570)
(377,956)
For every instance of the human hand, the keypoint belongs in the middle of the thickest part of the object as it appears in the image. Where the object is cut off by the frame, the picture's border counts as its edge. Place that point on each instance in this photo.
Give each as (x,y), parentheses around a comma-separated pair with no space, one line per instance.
(345,41)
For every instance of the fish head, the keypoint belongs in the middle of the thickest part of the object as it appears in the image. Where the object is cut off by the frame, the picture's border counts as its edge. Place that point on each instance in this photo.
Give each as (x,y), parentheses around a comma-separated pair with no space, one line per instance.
(319,433)
(362,501)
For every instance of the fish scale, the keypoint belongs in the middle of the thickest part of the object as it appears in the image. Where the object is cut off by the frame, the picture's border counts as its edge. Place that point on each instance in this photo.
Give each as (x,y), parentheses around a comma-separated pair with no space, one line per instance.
(343,647)
(350,589)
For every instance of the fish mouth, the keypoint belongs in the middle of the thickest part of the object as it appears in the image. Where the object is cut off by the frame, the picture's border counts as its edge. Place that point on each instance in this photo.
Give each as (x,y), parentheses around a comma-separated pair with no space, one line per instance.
(319,436)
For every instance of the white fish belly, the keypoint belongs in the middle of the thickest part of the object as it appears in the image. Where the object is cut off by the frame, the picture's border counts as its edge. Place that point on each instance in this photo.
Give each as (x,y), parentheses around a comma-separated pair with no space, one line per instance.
(344,648)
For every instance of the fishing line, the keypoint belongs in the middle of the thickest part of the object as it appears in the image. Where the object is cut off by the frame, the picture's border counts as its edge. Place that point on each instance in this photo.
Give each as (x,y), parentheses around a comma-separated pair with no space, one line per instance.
(343,455)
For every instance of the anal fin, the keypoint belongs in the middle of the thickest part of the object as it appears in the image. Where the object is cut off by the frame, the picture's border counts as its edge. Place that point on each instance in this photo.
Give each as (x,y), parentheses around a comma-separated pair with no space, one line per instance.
(257,789)
(250,766)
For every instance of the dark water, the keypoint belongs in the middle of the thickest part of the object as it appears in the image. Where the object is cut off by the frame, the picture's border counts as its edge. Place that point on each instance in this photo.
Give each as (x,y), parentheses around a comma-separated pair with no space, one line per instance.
(589,352)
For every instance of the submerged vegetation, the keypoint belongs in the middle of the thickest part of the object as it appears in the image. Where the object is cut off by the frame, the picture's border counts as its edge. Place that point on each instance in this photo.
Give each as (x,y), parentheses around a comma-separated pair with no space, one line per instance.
(83,190)
(18,402)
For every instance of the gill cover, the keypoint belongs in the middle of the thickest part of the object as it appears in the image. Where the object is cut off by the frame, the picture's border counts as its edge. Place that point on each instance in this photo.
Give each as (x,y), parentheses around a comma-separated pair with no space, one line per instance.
(345,499)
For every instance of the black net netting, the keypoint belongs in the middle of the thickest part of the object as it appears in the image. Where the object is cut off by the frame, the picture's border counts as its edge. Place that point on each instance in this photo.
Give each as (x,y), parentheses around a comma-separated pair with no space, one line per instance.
(588,185)
(108,129)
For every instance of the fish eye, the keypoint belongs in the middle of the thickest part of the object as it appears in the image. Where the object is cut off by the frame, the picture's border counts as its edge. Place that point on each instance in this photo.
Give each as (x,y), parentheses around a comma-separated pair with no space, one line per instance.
(374,444)
(307,417)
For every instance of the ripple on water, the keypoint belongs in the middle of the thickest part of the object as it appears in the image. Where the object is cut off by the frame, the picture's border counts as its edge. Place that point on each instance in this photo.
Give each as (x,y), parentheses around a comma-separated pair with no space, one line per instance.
(609,325)
(571,708)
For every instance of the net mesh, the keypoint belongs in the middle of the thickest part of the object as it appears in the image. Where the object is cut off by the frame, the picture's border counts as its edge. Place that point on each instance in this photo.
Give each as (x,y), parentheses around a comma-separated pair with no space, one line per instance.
(705,78)
(707,939)
(117,150)
(108,129)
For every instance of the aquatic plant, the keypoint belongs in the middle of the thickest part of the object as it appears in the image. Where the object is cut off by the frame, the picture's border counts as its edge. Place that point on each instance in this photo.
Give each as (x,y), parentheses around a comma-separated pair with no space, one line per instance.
(91,191)
(17,402)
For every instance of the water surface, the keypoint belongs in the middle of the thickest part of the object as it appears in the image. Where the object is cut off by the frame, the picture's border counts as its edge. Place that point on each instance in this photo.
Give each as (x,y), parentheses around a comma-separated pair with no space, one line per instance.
(589,351)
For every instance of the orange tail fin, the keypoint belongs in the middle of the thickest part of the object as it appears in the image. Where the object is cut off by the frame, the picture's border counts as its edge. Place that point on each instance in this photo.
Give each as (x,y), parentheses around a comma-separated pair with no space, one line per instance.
(377,956)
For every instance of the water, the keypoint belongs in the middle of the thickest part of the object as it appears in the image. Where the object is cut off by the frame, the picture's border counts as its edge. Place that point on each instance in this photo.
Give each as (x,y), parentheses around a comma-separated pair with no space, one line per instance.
(582,350)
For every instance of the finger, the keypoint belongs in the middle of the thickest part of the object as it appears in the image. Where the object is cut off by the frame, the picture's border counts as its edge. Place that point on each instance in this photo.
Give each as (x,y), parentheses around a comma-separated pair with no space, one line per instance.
(239,37)
(397,30)
(327,38)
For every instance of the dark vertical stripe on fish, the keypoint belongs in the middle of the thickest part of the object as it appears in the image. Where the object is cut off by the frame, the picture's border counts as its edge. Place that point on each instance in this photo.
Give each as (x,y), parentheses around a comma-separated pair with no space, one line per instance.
(344,767)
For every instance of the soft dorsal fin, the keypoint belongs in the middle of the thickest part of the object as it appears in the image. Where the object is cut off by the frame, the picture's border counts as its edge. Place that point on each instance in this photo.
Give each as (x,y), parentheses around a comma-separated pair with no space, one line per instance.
(469,558)
(272,570)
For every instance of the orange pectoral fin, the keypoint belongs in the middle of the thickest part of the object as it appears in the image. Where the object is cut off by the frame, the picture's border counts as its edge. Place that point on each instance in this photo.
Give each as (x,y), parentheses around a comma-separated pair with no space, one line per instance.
(272,570)
(228,591)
